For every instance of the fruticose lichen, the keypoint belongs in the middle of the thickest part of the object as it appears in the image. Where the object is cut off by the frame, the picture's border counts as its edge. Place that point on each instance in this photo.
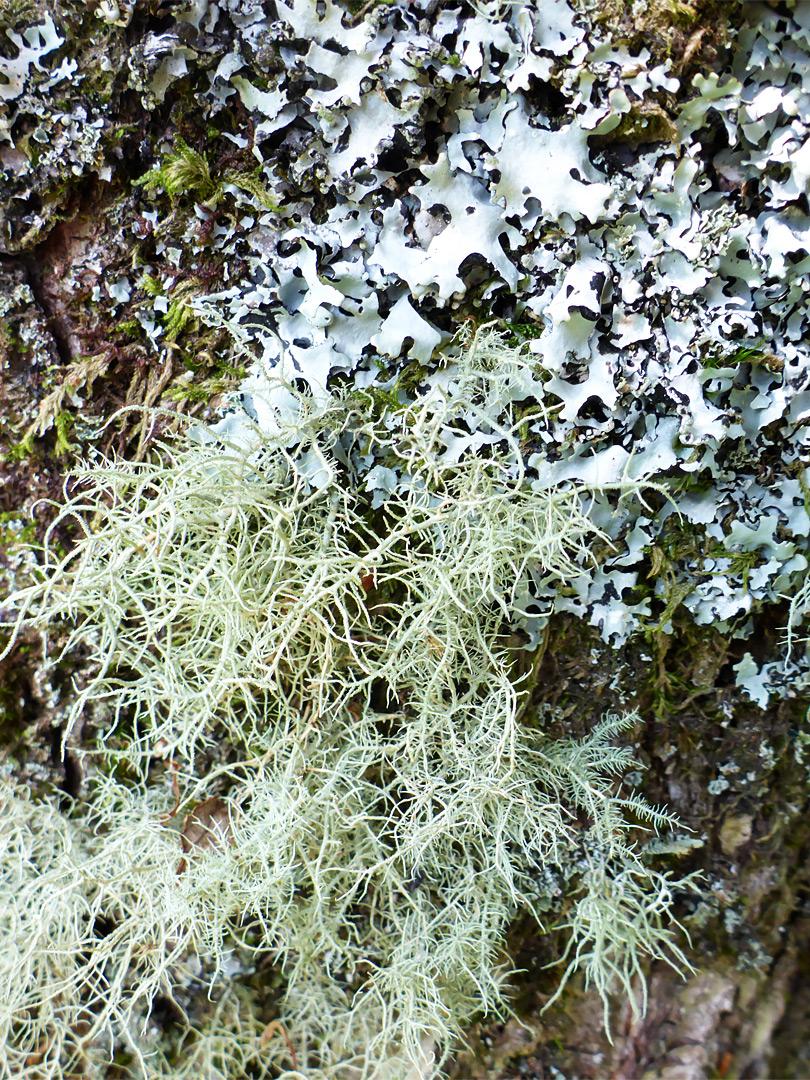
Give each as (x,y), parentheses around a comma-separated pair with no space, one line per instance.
(326,692)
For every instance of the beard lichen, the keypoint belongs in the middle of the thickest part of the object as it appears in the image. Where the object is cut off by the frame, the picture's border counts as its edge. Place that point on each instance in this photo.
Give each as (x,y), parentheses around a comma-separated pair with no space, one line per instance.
(326,691)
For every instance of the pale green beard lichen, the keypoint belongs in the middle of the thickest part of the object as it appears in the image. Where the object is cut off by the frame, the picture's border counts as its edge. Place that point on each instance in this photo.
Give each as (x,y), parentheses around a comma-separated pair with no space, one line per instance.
(383,808)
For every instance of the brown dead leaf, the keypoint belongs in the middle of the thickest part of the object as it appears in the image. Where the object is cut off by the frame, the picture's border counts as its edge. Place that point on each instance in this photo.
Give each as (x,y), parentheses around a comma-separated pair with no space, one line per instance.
(207,826)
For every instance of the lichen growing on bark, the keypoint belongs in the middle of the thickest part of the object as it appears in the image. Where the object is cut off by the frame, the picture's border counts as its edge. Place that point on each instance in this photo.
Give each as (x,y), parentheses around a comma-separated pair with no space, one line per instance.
(200,203)
(385,807)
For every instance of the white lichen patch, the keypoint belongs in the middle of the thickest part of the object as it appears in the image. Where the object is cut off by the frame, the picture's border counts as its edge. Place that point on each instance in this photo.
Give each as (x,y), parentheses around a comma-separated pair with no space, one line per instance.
(670,302)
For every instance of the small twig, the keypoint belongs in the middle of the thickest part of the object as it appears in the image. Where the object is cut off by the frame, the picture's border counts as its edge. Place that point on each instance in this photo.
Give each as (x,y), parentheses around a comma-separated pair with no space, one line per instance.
(269,1032)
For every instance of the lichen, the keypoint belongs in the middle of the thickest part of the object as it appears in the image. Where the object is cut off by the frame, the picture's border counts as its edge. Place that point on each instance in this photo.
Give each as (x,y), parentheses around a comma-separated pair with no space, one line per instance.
(274,216)
(385,805)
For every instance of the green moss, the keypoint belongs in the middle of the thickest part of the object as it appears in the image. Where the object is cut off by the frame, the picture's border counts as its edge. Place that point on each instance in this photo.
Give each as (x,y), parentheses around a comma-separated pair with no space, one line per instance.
(131,328)
(754,353)
(23,449)
(13,13)
(252,184)
(206,387)
(150,285)
(64,423)
(520,332)
(647,122)
(15,532)
(185,173)
(179,317)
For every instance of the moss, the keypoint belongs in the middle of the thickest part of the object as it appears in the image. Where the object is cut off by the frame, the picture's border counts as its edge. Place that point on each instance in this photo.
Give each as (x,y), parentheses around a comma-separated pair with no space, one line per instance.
(63,424)
(204,387)
(132,328)
(520,332)
(180,315)
(648,122)
(251,183)
(184,174)
(693,35)
(753,353)
(13,13)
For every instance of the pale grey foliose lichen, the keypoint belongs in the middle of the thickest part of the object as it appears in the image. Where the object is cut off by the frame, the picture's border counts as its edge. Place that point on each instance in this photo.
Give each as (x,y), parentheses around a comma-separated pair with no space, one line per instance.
(669,290)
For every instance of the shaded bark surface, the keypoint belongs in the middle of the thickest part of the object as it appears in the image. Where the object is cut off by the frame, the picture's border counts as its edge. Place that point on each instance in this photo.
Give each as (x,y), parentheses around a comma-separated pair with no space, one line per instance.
(743,1011)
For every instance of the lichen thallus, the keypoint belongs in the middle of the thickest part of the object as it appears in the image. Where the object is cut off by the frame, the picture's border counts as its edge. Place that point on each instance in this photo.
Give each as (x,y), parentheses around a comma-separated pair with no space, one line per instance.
(341,678)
